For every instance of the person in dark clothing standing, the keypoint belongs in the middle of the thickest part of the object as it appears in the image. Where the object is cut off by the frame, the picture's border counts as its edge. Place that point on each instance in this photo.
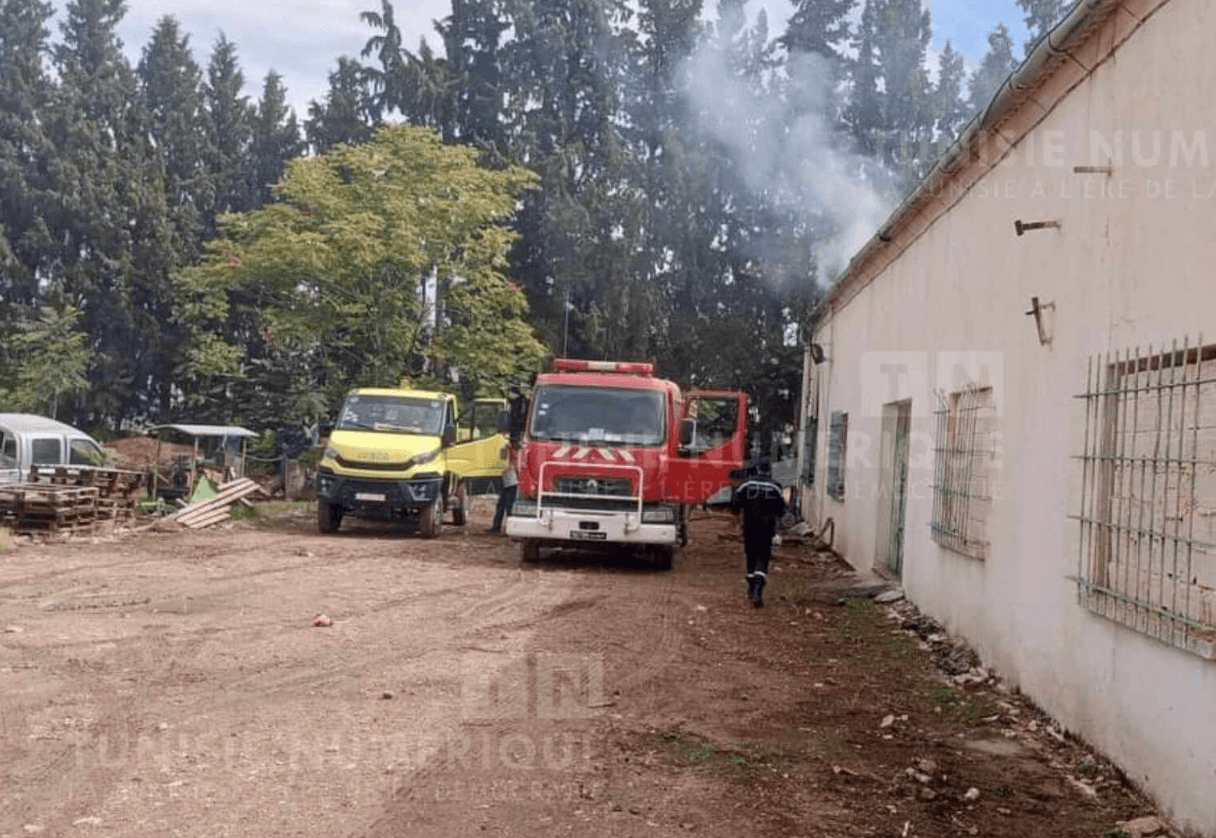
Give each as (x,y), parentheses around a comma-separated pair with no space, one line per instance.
(761,503)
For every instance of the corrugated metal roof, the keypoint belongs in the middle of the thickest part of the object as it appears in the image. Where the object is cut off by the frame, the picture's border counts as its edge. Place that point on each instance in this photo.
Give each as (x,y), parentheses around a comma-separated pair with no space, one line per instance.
(208,430)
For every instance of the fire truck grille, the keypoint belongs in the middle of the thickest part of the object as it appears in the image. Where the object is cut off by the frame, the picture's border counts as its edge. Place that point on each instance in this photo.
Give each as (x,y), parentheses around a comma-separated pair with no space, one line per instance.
(605,486)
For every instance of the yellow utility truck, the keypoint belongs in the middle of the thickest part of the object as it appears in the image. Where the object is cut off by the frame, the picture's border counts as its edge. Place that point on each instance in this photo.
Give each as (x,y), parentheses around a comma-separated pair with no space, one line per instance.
(399,454)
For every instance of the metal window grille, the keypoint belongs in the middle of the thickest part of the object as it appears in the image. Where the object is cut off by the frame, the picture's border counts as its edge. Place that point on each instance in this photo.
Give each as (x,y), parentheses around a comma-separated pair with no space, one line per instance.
(1147,546)
(963,455)
(837,438)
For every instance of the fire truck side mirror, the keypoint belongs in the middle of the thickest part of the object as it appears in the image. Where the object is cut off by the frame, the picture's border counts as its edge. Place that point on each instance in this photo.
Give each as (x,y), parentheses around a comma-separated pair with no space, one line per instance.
(688,430)
(449,435)
(504,421)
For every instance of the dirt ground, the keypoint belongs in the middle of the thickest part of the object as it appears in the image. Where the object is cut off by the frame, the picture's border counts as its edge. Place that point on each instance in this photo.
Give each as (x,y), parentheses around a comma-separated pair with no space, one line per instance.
(177,684)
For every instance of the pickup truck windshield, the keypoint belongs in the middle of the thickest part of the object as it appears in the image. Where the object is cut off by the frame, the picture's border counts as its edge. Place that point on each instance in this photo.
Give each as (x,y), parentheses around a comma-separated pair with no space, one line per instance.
(620,415)
(392,414)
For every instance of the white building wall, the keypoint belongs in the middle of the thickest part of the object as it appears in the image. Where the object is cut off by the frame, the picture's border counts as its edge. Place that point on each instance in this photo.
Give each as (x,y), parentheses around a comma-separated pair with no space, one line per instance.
(1130,266)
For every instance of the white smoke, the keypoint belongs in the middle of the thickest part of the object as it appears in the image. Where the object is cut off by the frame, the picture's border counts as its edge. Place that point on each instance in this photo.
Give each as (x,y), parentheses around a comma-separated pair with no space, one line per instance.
(785,147)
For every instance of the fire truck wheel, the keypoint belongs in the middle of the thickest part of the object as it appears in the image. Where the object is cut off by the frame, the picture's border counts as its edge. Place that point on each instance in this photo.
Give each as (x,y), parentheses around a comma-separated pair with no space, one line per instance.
(460,508)
(329,516)
(430,520)
(529,551)
(665,557)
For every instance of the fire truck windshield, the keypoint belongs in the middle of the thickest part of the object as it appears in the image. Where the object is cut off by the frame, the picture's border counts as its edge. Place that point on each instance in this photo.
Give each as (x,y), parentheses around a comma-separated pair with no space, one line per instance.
(391,413)
(620,415)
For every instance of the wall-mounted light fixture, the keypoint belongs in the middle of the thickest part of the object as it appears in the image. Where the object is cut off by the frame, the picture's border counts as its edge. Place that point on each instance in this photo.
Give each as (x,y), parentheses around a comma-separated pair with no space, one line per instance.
(1093,170)
(1022,226)
(817,353)
(1037,309)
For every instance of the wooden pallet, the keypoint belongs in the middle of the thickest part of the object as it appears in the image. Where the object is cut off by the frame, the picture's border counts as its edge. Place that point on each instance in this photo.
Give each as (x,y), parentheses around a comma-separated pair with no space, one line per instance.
(40,507)
(110,482)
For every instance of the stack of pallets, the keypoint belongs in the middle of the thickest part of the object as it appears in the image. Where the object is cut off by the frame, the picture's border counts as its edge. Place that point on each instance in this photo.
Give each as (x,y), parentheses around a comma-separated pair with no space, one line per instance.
(49,509)
(118,490)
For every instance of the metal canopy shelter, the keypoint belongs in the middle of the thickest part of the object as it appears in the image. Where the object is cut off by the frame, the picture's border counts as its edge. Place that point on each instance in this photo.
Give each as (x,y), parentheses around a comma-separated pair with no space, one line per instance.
(197,432)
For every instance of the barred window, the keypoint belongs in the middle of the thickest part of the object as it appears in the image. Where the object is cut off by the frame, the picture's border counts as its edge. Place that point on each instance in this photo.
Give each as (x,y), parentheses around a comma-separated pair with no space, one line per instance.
(1147,547)
(838,434)
(962,479)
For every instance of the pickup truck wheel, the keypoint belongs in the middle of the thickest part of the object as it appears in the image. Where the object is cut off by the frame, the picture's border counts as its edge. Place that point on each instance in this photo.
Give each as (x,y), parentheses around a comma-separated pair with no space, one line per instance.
(460,512)
(529,551)
(329,516)
(430,520)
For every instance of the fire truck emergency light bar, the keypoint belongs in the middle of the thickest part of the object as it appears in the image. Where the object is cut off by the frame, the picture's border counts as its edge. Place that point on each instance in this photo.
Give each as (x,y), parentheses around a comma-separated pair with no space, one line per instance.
(575,365)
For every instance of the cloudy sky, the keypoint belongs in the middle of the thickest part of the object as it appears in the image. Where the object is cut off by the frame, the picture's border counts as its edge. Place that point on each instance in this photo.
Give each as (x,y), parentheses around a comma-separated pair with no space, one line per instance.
(302,39)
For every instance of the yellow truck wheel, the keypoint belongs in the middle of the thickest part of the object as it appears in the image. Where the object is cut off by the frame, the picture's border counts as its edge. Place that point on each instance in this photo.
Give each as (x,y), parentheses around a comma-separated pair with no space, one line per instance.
(460,511)
(430,520)
(329,516)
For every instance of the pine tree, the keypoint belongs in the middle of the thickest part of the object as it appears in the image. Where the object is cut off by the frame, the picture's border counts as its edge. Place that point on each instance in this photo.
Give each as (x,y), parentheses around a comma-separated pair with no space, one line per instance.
(1041,16)
(275,140)
(818,26)
(26,155)
(863,115)
(177,128)
(472,37)
(345,117)
(995,67)
(230,132)
(949,102)
(387,82)
(110,228)
(891,112)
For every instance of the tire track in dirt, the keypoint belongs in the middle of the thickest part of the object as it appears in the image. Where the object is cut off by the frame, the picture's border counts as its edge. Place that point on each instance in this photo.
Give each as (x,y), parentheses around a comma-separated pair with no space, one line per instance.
(621,627)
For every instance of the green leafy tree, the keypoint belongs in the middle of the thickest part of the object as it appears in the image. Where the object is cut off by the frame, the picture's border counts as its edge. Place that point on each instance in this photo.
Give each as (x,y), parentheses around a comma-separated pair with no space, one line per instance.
(43,361)
(325,288)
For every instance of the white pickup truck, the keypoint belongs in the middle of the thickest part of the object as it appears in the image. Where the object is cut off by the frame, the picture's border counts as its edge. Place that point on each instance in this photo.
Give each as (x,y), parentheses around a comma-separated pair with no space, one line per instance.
(27,439)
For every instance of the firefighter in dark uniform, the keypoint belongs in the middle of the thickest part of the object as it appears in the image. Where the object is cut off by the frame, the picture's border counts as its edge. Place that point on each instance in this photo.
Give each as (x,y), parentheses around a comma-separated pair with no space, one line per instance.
(761,503)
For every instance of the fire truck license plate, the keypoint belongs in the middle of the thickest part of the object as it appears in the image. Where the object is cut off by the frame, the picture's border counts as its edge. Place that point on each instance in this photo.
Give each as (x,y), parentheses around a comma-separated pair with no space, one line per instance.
(370,496)
(588,535)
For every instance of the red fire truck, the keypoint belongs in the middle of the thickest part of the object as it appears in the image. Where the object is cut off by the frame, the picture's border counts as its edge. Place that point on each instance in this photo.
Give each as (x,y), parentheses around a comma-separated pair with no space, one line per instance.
(613,455)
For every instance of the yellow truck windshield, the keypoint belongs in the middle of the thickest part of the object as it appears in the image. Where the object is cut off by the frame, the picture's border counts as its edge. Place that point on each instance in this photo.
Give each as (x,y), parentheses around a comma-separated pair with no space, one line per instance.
(392,414)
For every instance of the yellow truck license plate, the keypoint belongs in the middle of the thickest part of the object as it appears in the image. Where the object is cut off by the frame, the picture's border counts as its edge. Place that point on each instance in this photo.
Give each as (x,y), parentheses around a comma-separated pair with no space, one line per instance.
(374,496)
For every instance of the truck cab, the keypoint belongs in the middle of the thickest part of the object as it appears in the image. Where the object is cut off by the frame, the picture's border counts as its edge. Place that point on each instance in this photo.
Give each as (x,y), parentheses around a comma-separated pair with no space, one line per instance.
(398,455)
(27,440)
(613,454)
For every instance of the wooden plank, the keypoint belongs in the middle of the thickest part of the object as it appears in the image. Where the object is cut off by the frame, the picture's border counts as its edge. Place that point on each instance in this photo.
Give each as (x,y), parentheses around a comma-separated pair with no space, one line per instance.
(226,497)
(225,494)
(223,499)
(214,517)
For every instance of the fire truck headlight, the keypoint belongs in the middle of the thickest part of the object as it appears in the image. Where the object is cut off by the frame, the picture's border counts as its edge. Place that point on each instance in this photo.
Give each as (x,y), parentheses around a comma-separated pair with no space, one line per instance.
(525,507)
(659,515)
(329,454)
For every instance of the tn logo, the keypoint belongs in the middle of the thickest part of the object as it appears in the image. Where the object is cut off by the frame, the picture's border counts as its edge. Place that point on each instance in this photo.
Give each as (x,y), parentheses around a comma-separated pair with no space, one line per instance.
(550,686)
